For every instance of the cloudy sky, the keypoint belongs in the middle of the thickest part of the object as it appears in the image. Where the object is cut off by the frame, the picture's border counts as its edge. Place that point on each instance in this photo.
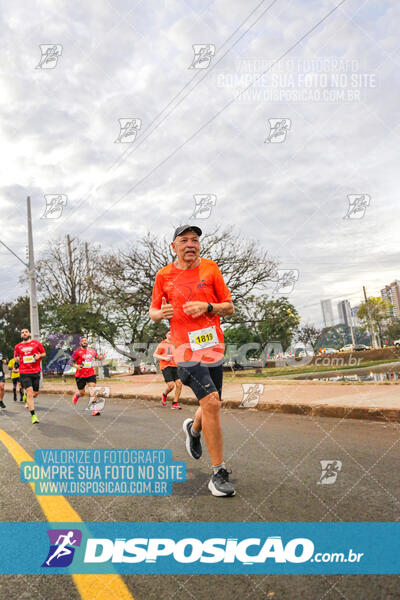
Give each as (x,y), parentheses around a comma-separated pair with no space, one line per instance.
(335,94)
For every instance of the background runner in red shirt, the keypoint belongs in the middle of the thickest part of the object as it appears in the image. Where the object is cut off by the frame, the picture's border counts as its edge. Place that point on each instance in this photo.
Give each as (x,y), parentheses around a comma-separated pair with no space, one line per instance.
(165,353)
(83,359)
(29,354)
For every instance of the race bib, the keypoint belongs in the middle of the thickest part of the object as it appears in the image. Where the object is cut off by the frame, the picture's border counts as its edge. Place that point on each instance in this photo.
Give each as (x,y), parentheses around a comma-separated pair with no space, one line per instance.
(87,364)
(28,359)
(203,338)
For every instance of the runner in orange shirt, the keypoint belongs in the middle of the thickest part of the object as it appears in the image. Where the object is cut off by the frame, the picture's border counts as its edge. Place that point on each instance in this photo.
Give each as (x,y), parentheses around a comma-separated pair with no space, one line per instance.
(192,294)
(165,353)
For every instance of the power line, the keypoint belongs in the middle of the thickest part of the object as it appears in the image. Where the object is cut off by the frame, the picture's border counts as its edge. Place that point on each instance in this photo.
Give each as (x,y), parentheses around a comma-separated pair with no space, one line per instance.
(143,137)
(12,252)
(211,119)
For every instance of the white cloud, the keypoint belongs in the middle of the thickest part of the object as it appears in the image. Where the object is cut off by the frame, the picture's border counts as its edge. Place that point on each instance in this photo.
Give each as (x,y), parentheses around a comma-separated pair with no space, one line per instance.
(119,59)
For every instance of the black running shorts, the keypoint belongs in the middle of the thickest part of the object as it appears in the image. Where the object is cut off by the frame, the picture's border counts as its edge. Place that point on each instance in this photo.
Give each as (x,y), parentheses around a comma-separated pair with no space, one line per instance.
(30,380)
(81,382)
(202,378)
(170,374)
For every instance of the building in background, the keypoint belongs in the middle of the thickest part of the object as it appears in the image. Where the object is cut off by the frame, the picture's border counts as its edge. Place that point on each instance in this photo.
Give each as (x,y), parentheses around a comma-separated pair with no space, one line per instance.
(355,320)
(392,294)
(344,312)
(327,313)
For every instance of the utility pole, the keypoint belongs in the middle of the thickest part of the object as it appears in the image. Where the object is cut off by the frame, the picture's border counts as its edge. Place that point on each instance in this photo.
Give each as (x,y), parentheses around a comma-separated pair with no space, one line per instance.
(33,303)
(88,277)
(371,328)
(71,271)
(90,298)
(30,265)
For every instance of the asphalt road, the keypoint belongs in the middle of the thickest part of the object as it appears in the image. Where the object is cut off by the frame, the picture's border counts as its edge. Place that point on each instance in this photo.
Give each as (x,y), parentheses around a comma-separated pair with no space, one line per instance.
(276,466)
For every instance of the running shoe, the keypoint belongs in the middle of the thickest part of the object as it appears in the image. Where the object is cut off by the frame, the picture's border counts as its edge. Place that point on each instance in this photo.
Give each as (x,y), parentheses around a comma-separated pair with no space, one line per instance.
(75,398)
(164,400)
(193,444)
(24,397)
(34,419)
(176,406)
(96,413)
(2,405)
(219,484)
(15,398)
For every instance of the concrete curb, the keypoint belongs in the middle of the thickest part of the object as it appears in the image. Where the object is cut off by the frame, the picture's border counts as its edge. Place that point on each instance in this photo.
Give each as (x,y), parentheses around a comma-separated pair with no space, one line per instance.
(310,410)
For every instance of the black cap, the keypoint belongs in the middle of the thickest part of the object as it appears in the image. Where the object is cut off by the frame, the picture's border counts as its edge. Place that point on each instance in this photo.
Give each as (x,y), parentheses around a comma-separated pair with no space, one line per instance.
(183,228)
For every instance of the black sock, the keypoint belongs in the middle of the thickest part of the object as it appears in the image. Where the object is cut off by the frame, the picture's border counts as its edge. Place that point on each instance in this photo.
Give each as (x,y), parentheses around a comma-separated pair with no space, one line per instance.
(32,412)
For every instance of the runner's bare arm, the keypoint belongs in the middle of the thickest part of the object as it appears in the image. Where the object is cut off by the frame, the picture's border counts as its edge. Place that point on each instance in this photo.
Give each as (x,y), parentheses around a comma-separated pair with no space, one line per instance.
(198,308)
(162,357)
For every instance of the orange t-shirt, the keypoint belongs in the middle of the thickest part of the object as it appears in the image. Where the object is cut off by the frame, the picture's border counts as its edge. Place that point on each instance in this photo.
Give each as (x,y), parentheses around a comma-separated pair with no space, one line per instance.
(195,339)
(167,349)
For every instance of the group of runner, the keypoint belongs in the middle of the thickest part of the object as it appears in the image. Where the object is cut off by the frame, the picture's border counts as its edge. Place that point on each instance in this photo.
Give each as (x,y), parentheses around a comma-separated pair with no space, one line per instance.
(192,295)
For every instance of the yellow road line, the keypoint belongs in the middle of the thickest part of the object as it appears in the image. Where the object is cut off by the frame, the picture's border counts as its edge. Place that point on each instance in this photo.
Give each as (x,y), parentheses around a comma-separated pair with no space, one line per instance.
(58,509)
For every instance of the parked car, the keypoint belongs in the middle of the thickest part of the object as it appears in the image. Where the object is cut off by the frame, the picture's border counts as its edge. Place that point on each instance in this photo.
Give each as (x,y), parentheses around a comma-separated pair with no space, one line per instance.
(360,347)
(147,368)
(347,348)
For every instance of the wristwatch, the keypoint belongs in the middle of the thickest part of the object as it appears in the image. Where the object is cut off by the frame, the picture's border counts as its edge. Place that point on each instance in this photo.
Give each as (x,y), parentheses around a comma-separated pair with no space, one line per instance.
(210,307)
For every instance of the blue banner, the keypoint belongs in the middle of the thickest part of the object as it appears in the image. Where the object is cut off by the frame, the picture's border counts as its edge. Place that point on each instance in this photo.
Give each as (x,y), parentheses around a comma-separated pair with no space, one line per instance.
(192,548)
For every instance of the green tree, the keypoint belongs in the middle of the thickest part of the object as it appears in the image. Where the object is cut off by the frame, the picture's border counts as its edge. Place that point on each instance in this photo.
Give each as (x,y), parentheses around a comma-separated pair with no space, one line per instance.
(274,320)
(309,334)
(112,300)
(392,331)
(15,315)
(378,310)
(239,334)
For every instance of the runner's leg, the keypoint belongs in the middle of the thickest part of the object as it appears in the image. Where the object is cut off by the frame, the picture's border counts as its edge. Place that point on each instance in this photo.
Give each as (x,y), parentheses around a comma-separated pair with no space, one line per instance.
(169,388)
(197,421)
(92,394)
(211,426)
(216,374)
(29,398)
(2,405)
(178,390)
(91,385)
(80,391)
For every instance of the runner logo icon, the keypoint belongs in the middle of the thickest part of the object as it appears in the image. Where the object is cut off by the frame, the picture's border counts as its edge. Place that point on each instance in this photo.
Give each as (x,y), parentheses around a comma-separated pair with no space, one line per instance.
(278,130)
(203,205)
(203,53)
(330,470)
(50,53)
(358,204)
(62,547)
(128,129)
(251,394)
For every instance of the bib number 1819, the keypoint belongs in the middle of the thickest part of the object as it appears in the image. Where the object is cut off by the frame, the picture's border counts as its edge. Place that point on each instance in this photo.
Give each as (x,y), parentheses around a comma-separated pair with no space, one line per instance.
(203,338)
